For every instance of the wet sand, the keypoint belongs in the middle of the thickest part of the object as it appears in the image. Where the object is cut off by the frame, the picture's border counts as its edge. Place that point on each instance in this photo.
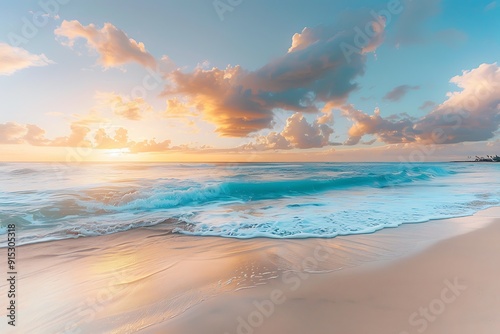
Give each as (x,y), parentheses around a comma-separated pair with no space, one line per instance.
(436,277)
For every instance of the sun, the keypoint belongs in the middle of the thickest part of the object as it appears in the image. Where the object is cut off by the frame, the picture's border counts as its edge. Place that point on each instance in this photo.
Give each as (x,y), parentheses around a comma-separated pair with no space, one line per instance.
(117,152)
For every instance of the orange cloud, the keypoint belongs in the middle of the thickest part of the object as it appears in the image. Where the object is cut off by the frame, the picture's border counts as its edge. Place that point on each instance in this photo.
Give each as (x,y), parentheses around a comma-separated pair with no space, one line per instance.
(77,138)
(13,59)
(131,109)
(104,141)
(120,140)
(314,70)
(115,48)
(35,136)
(149,146)
(93,117)
(12,133)
(178,109)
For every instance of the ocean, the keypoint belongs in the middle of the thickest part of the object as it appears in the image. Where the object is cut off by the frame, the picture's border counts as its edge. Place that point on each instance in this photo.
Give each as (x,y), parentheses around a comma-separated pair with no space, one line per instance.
(53,201)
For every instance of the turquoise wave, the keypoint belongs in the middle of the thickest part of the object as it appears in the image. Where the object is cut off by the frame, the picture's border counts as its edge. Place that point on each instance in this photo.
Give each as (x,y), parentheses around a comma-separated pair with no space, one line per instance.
(239,200)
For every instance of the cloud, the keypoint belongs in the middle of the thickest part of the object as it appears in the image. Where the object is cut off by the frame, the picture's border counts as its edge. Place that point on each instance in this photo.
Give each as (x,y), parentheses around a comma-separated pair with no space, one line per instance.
(92,117)
(120,140)
(471,114)
(399,92)
(427,104)
(149,146)
(12,133)
(303,39)
(389,131)
(369,142)
(301,134)
(316,69)
(114,47)
(13,59)
(122,106)
(35,136)
(297,133)
(77,138)
(176,108)
(103,141)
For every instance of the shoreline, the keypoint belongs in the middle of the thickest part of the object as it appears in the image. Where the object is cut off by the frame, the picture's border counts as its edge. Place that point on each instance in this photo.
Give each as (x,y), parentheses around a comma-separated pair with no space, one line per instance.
(147,280)
(163,227)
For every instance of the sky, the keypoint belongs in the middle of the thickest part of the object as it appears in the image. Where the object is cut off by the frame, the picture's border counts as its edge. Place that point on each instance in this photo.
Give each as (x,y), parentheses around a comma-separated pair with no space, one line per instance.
(249,80)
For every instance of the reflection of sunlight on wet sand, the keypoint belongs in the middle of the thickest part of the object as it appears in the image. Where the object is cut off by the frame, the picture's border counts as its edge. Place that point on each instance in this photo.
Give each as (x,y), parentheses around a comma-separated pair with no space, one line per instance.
(113,261)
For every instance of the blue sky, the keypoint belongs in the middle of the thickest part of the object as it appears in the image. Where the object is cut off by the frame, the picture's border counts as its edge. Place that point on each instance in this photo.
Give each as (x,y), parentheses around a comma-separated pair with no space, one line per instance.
(422,48)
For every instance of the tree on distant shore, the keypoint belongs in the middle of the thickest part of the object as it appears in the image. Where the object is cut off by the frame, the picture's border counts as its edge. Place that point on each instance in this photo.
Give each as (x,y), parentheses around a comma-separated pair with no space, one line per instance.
(489,158)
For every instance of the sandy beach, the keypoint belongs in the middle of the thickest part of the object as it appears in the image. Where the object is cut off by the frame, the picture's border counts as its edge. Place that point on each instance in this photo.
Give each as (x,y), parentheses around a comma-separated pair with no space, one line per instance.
(435,277)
